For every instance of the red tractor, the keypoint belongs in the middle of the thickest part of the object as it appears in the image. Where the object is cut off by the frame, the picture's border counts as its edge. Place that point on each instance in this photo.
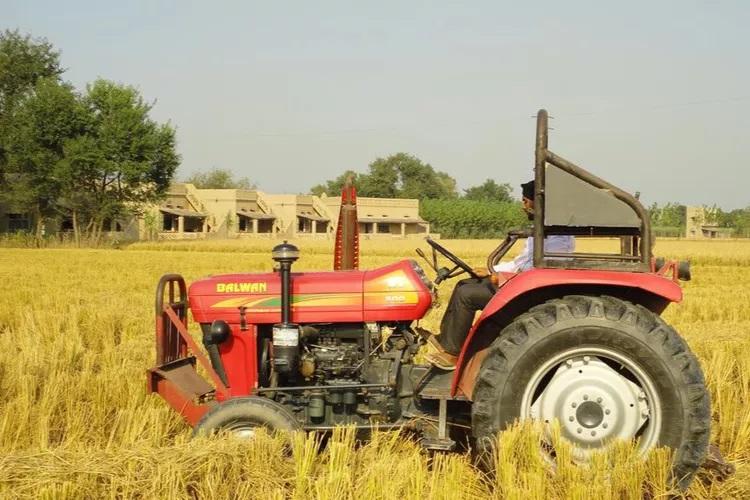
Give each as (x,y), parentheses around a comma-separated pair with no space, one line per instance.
(578,338)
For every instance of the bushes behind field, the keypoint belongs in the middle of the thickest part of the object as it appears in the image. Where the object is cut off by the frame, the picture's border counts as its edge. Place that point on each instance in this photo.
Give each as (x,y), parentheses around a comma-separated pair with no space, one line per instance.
(461,218)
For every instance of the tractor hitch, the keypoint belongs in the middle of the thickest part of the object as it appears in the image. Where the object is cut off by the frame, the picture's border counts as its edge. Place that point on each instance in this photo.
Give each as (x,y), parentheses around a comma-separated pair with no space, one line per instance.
(716,463)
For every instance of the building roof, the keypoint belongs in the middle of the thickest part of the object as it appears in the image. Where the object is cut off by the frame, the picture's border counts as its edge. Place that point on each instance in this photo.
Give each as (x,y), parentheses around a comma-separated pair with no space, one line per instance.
(181,212)
(316,218)
(257,215)
(392,220)
(307,213)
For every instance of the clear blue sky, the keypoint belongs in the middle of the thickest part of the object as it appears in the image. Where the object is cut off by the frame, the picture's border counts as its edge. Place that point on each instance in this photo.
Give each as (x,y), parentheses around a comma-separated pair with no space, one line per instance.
(651,95)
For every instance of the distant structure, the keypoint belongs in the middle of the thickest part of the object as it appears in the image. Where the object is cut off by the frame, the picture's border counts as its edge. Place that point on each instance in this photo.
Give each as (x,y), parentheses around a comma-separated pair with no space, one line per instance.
(697,227)
(385,217)
(16,220)
(191,213)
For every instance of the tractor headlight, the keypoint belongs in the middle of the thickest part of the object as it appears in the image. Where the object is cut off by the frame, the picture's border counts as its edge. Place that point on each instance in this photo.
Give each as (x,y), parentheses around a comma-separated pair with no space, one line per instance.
(217,333)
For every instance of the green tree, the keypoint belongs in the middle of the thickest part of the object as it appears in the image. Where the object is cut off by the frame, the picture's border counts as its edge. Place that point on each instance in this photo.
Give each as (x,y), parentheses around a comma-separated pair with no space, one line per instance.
(489,191)
(48,117)
(125,161)
(419,180)
(669,215)
(398,176)
(24,61)
(464,218)
(337,184)
(448,184)
(737,219)
(219,178)
(381,182)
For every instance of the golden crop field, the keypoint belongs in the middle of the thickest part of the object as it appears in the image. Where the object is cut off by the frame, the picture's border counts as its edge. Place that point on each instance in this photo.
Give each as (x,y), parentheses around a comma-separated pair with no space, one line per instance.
(76,337)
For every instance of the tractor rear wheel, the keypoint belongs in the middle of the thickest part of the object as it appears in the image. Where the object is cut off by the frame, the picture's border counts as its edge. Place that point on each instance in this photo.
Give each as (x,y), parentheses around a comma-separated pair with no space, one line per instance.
(243,416)
(605,369)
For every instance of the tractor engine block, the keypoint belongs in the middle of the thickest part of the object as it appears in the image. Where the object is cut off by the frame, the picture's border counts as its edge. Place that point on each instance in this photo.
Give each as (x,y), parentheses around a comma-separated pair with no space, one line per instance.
(330,358)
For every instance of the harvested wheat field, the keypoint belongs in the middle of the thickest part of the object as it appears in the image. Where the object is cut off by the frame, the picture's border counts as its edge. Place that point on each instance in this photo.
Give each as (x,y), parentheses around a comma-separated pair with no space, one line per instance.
(76,336)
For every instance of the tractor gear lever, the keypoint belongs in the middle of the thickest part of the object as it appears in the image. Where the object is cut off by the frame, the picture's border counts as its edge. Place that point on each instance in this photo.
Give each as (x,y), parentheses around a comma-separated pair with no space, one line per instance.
(433,265)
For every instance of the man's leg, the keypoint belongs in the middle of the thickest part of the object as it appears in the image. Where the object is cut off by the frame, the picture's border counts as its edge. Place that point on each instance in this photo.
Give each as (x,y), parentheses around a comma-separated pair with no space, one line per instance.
(468,297)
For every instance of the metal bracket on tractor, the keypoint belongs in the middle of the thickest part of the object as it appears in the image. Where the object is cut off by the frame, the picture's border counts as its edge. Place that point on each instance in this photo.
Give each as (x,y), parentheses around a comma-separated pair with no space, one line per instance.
(716,463)
(175,377)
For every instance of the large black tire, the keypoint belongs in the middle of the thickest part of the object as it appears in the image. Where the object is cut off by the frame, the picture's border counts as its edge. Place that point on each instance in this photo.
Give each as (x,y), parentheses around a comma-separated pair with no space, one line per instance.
(240,415)
(575,322)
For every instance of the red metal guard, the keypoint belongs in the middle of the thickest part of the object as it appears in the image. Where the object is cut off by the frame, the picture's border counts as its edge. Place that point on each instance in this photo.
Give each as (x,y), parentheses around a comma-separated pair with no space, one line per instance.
(346,251)
(174,377)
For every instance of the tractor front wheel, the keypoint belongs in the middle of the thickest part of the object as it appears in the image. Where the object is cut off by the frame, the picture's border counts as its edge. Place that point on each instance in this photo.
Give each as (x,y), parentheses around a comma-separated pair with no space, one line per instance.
(604,369)
(243,416)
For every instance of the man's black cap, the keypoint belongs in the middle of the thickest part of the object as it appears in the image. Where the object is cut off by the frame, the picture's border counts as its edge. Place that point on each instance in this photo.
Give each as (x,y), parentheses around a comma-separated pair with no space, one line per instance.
(527,190)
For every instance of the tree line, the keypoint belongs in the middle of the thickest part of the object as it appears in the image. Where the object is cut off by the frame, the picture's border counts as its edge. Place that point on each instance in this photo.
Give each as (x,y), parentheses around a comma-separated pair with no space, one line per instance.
(670,219)
(484,211)
(86,157)
(489,209)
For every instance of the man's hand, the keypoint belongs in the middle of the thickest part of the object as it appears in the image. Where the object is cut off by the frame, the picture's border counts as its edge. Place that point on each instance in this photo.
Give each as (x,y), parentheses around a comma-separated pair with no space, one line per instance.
(482,272)
(496,279)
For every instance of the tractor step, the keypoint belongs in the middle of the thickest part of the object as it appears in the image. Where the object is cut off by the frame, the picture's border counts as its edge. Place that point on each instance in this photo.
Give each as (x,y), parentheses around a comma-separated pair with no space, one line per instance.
(184,376)
(180,385)
(441,442)
(436,384)
(437,444)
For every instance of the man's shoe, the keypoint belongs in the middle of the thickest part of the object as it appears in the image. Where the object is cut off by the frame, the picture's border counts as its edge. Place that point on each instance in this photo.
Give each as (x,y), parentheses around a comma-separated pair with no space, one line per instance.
(439,357)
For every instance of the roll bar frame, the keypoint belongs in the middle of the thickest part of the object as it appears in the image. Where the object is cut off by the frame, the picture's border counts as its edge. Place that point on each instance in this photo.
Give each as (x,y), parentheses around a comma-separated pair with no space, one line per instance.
(635,249)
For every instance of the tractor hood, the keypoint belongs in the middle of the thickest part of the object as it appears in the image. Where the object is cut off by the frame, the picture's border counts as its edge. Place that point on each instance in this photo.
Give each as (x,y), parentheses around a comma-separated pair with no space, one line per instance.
(397,292)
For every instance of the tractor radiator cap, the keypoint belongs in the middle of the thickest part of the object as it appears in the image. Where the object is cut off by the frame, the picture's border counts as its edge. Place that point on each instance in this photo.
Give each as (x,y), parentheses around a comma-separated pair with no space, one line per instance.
(285,252)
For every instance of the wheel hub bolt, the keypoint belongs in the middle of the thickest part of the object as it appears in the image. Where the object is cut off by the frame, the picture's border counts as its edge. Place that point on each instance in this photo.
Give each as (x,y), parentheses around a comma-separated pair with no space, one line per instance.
(641,396)
(574,404)
(571,418)
(585,397)
(607,412)
(599,400)
(586,360)
(579,430)
(605,425)
(569,363)
(593,433)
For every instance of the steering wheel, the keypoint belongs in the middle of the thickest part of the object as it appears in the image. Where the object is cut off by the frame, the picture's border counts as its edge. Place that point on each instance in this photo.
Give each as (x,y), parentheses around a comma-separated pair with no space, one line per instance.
(459,267)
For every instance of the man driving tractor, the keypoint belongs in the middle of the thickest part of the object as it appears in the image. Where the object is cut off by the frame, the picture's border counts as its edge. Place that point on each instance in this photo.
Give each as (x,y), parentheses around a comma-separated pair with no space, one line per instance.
(471,295)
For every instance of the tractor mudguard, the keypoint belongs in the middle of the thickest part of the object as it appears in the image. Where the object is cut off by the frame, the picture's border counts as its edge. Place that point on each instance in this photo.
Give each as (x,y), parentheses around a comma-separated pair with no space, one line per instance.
(535,286)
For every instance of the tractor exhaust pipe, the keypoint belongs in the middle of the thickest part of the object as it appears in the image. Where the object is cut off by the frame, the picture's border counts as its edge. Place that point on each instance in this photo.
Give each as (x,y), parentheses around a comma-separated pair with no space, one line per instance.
(285,334)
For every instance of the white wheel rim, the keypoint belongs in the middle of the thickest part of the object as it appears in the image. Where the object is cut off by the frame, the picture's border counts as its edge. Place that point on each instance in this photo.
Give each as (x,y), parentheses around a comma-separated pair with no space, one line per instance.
(243,431)
(596,394)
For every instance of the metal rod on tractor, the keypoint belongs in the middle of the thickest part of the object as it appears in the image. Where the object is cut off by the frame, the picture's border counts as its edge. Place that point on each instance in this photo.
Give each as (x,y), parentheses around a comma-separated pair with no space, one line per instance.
(285,334)
(638,255)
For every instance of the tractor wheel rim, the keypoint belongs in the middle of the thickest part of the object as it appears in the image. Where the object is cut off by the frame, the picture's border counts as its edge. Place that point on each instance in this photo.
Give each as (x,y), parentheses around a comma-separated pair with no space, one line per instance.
(596,394)
(243,431)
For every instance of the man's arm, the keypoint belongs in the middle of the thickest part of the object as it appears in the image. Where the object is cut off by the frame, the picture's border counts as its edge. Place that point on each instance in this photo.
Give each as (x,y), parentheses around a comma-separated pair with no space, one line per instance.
(520,263)
(525,260)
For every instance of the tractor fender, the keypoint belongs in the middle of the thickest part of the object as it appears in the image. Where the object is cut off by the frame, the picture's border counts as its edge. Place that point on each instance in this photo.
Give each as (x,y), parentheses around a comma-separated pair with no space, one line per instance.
(527,289)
